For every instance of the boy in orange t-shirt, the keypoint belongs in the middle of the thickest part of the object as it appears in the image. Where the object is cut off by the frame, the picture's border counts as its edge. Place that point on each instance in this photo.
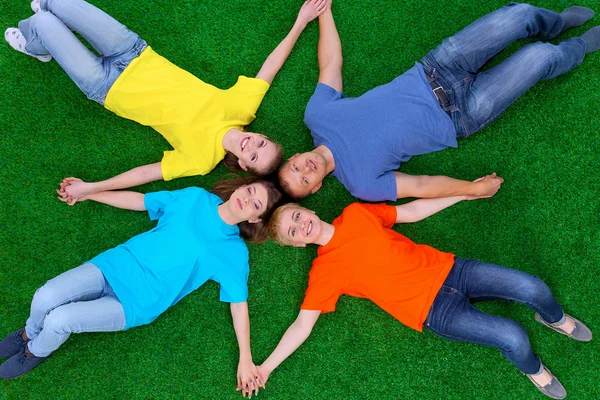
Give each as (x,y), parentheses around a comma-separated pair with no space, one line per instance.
(361,256)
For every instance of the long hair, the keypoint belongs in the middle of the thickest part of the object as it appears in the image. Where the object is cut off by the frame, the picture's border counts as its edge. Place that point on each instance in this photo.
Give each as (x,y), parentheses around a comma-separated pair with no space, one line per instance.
(256,232)
(231,161)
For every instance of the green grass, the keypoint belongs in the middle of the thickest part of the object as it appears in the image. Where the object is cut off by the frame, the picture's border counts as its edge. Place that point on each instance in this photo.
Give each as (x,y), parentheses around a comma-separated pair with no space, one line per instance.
(544,220)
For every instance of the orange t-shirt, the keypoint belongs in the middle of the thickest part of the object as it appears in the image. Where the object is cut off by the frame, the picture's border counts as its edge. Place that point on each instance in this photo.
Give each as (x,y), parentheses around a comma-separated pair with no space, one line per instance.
(365,258)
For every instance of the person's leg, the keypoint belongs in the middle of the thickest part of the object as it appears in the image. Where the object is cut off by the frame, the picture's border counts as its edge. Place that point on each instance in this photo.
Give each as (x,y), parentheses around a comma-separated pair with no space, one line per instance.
(46,34)
(465,53)
(85,282)
(108,36)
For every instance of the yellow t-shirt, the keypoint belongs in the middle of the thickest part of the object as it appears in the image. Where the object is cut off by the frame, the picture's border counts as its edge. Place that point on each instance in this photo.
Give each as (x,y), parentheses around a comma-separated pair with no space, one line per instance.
(191,114)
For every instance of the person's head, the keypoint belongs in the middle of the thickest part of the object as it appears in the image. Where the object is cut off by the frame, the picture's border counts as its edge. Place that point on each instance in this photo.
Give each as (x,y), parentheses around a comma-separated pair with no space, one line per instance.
(251,200)
(302,174)
(254,153)
(293,225)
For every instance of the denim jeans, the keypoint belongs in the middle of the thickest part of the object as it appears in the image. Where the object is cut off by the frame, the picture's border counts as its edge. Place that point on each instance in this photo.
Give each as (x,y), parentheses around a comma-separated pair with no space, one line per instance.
(79,300)
(452,316)
(47,32)
(480,97)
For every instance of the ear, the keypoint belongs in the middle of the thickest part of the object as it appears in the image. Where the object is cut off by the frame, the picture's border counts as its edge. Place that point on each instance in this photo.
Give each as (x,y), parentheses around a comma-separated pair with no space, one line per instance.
(242,164)
(294,156)
(313,191)
(299,244)
(254,220)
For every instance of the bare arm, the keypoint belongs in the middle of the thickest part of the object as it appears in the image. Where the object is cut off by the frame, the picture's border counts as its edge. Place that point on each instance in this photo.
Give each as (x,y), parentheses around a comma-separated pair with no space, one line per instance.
(74,189)
(309,11)
(330,52)
(424,186)
(420,209)
(247,372)
(296,334)
(121,199)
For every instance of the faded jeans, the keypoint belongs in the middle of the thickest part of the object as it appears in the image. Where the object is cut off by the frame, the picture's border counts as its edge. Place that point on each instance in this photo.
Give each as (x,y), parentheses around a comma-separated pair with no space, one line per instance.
(477,98)
(78,300)
(452,316)
(47,32)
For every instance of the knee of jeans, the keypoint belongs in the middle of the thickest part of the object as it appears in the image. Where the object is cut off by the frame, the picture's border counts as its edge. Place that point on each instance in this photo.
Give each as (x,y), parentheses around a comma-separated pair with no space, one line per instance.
(58,320)
(515,339)
(41,20)
(536,291)
(539,55)
(45,299)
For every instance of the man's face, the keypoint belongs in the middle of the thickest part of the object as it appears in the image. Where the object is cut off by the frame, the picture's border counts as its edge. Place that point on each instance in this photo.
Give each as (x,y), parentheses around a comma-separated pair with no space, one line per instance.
(256,151)
(304,173)
(299,226)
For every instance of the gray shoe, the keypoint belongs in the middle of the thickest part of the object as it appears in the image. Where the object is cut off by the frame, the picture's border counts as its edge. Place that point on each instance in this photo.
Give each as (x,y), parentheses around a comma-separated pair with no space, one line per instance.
(12,344)
(580,333)
(19,364)
(554,389)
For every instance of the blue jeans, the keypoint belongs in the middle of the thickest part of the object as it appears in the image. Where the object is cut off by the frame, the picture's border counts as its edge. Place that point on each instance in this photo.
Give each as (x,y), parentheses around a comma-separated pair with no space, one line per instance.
(477,98)
(79,300)
(47,32)
(452,316)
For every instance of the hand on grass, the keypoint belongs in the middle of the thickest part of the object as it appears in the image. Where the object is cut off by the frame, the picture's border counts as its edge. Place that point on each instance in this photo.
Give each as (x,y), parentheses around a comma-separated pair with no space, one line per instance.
(488,186)
(248,378)
(263,374)
(311,9)
(73,190)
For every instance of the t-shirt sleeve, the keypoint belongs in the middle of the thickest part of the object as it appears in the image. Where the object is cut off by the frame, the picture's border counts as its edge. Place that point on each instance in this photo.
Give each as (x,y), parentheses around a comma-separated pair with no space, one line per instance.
(156,202)
(323,94)
(252,91)
(176,164)
(234,286)
(322,294)
(381,189)
(386,213)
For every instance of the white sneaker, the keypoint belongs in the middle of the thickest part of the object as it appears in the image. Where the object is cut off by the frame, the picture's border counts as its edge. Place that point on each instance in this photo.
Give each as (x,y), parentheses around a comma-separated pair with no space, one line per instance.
(15,39)
(35,6)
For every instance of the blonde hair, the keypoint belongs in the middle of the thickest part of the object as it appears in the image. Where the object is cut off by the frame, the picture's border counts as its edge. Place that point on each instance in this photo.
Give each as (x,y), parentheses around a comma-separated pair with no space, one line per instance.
(274,222)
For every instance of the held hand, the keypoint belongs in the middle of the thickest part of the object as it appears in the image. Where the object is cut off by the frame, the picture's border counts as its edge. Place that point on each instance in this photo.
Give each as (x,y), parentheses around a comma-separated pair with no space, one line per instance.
(248,378)
(263,374)
(73,190)
(311,9)
(488,186)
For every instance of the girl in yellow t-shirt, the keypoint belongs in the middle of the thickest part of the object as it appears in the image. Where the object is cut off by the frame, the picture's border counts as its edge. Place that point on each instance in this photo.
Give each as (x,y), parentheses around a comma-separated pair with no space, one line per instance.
(204,124)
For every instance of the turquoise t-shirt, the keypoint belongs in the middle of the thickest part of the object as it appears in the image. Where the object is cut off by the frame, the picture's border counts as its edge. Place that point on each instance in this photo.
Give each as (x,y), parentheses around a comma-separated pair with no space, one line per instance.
(190,245)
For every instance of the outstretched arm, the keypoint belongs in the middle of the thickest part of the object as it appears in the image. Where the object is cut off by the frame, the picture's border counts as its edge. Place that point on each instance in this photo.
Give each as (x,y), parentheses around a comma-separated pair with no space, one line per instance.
(296,334)
(121,199)
(310,10)
(330,52)
(424,186)
(420,209)
(73,189)
(247,373)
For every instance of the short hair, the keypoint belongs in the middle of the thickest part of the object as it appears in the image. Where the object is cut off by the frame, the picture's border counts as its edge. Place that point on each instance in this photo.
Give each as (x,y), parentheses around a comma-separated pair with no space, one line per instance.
(274,222)
(286,187)
(231,161)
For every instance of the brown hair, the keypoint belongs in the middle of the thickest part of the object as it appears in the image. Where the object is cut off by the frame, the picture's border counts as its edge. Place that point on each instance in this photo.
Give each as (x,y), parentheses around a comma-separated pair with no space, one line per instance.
(274,222)
(286,187)
(231,162)
(256,232)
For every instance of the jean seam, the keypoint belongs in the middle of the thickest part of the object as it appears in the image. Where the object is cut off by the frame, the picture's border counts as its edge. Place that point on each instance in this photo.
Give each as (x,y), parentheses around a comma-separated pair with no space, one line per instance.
(69,300)
(536,305)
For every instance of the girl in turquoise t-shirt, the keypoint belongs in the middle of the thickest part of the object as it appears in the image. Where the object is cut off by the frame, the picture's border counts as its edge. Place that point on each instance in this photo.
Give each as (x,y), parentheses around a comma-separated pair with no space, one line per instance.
(198,237)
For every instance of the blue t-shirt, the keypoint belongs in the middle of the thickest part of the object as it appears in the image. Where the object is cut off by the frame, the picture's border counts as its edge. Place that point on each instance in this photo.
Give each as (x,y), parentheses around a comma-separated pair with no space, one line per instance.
(371,135)
(190,245)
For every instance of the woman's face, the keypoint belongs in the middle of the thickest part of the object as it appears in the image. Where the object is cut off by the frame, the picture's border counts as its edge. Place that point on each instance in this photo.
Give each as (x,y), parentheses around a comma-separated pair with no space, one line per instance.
(249,202)
(255,151)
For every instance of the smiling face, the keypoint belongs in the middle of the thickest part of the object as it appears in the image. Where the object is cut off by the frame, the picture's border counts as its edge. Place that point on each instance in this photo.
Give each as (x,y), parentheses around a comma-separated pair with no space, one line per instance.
(248,202)
(255,151)
(297,226)
(303,174)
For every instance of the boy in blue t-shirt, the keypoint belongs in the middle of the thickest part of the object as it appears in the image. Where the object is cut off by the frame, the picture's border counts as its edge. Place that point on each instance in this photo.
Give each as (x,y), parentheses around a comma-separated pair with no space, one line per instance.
(362,141)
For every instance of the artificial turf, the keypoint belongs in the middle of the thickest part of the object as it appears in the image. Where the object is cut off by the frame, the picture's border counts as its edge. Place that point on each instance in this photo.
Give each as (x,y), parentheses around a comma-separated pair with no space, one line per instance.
(544,220)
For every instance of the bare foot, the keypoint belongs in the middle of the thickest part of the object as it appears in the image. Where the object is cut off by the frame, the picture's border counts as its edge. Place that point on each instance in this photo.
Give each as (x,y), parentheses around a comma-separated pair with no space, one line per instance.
(542,379)
(568,326)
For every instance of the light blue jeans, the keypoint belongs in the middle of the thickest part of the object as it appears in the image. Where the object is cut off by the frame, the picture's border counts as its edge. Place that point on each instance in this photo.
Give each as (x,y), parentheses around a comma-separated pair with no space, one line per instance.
(47,32)
(480,97)
(79,300)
